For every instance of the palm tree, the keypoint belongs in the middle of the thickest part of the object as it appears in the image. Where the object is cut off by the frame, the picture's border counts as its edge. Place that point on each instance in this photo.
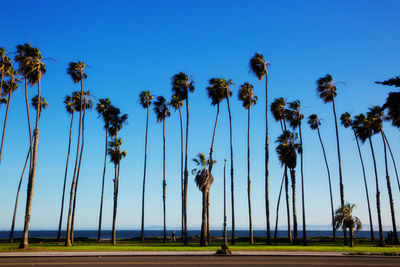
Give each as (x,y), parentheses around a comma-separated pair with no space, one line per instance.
(326,90)
(393,101)
(258,66)
(314,123)
(347,122)
(9,87)
(278,112)
(203,180)
(162,112)
(177,104)
(181,86)
(34,69)
(294,116)
(145,98)
(344,218)
(375,116)
(116,155)
(76,71)
(5,65)
(246,95)
(44,105)
(103,109)
(217,91)
(364,131)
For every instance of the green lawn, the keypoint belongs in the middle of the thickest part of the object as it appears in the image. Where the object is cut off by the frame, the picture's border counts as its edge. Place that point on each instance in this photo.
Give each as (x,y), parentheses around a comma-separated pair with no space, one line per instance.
(154,244)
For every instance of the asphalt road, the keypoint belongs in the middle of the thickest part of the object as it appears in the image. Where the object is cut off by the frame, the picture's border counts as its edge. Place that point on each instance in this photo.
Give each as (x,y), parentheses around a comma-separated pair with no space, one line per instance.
(202,260)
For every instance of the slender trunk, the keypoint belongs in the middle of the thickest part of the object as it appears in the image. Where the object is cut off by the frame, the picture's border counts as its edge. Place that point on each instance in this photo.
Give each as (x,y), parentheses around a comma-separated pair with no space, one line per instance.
(394,162)
(378,199)
(32,176)
(277,208)
(287,204)
(248,178)
(79,171)
(232,181)
(73,184)
(185,183)
(5,124)
(267,160)
(340,168)
(392,213)
(330,186)
(293,178)
(164,186)
(65,177)
(302,190)
(17,197)
(225,234)
(182,191)
(203,234)
(144,174)
(351,231)
(29,125)
(365,184)
(114,238)
(102,188)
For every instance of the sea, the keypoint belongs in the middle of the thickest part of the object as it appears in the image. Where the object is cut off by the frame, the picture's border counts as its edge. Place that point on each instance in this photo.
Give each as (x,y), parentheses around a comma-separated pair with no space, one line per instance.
(106,234)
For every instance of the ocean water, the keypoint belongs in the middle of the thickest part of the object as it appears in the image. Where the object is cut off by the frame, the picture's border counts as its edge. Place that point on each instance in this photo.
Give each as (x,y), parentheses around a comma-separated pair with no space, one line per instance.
(106,234)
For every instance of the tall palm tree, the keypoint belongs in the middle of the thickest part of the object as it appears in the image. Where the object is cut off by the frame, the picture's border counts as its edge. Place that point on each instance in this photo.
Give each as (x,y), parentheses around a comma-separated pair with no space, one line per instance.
(364,131)
(44,105)
(34,68)
(258,66)
(347,122)
(203,180)
(177,104)
(345,218)
(217,91)
(278,113)
(5,66)
(314,123)
(326,90)
(76,71)
(103,109)
(246,95)
(375,115)
(181,86)
(145,98)
(162,112)
(294,116)
(116,155)
(9,87)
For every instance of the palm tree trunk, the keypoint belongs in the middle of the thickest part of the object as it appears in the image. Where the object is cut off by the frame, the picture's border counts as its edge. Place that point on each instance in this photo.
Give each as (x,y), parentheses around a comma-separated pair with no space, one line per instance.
(185,183)
(378,199)
(29,125)
(102,188)
(287,204)
(65,177)
(182,191)
(144,175)
(395,236)
(394,162)
(16,199)
(225,234)
(164,186)
(366,186)
(32,176)
(277,208)
(79,171)
(114,238)
(267,160)
(302,190)
(5,124)
(68,242)
(293,176)
(330,187)
(203,234)
(232,182)
(340,167)
(248,178)
(351,231)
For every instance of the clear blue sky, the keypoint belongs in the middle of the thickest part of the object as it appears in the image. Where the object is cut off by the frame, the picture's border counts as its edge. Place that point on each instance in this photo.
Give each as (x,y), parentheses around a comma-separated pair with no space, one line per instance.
(132,46)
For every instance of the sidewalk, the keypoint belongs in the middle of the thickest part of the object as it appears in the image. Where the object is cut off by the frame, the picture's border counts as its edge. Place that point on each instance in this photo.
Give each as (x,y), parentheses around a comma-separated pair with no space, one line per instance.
(164,253)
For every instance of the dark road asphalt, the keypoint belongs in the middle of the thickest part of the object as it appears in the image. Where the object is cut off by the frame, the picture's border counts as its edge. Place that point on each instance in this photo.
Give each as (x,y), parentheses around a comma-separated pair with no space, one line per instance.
(201,261)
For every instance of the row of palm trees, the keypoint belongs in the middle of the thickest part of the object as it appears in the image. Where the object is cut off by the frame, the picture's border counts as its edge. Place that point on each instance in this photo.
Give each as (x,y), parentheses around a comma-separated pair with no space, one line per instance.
(31,68)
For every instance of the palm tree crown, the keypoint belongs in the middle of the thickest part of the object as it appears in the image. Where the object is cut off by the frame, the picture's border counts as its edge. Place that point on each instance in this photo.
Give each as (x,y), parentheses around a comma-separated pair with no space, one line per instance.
(161,109)
(246,95)
(115,152)
(287,149)
(203,178)
(346,120)
(326,89)
(258,66)
(293,114)
(175,102)
(344,218)
(43,103)
(217,90)
(278,108)
(116,120)
(145,98)
(30,63)
(75,70)
(181,85)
